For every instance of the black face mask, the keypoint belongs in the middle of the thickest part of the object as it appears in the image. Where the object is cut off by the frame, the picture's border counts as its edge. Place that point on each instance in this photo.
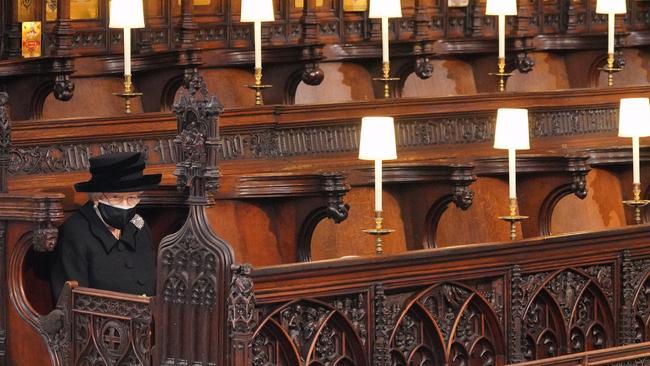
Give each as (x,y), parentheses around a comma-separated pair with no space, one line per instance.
(115,216)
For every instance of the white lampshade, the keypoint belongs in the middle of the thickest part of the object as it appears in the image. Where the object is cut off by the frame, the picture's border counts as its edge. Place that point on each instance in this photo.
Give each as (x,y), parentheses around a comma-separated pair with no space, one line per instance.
(126,14)
(377,139)
(385,9)
(501,7)
(257,11)
(611,7)
(634,117)
(512,129)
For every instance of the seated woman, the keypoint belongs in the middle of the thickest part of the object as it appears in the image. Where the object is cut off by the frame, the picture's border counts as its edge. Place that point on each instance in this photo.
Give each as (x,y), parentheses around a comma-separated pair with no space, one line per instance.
(106,245)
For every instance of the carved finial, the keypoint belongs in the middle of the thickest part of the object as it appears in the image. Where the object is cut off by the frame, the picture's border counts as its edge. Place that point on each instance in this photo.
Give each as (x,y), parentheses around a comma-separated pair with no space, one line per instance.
(197,114)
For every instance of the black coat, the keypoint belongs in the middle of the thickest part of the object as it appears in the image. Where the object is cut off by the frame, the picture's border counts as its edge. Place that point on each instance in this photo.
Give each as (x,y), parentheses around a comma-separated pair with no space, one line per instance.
(88,253)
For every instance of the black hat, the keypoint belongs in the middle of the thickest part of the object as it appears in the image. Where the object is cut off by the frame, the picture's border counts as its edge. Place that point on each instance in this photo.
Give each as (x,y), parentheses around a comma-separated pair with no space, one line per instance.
(118,172)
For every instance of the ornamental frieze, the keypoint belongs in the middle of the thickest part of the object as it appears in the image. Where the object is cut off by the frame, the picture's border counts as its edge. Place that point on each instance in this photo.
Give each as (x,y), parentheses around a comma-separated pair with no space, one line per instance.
(337,137)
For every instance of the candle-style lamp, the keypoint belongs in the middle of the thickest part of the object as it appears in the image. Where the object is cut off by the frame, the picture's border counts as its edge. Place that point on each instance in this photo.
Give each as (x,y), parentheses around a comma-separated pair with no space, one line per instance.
(512,134)
(127,14)
(385,9)
(377,143)
(634,122)
(501,8)
(611,8)
(257,11)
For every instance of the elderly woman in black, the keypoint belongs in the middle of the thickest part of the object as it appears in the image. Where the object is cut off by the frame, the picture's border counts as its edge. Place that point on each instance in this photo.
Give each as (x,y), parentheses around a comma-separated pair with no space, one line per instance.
(106,245)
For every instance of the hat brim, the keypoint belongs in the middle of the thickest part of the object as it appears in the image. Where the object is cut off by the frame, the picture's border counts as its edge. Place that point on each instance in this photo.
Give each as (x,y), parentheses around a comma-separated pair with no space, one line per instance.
(148,181)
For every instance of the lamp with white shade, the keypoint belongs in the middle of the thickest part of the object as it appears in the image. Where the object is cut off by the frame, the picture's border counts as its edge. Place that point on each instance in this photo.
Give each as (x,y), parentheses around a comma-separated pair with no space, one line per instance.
(127,14)
(257,11)
(511,133)
(378,144)
(385,9)
(501,8)
(634,122)
(611,8)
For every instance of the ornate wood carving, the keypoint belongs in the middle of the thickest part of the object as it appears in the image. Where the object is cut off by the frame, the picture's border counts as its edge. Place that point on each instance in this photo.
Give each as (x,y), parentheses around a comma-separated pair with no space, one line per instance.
(569,313)
(194,264)
(465,329)
(242,316)
(311,331)
(5,141)
(380,351)
(629,281)
(111,331)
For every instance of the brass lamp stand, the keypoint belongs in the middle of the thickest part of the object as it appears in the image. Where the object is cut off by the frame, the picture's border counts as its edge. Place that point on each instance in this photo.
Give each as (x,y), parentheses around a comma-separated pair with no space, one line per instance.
(128,94)
(636,203)
(386,79)
(378,232)
(610,69)
(501,74)
(513,218)
(258,86)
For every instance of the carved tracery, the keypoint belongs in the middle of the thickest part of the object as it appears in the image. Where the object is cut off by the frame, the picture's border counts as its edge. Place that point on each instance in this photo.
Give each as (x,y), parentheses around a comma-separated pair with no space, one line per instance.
(313,332)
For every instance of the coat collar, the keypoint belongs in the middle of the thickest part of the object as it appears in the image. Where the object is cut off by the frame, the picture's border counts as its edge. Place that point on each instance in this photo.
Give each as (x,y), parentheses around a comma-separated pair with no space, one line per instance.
(100,231)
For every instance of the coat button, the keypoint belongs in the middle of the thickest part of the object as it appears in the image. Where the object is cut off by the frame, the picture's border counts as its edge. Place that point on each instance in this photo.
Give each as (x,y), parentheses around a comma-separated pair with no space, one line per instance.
(120,246)
(128,263)
(141,282)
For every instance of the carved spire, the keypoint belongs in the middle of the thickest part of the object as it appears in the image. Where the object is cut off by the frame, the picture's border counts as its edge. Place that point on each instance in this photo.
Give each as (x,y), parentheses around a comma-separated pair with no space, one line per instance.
(194,264)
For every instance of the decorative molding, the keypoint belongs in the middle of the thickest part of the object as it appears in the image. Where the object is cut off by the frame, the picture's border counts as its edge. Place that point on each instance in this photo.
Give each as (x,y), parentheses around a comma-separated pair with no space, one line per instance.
(110,330)
(517,303)
(5,141)
(626,331)
(241,301)
(381,352)
(335,137)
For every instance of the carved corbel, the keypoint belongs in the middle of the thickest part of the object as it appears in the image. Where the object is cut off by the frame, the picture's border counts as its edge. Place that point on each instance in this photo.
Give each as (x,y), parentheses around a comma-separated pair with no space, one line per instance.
(312,74)
(45,237)
(579,184)
(63,87)
(423,67)
(63,64)
(520,62)
(462,196)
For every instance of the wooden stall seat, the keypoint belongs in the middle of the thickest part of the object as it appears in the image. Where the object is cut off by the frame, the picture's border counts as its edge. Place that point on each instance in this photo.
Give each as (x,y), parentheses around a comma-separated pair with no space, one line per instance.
(90,327)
